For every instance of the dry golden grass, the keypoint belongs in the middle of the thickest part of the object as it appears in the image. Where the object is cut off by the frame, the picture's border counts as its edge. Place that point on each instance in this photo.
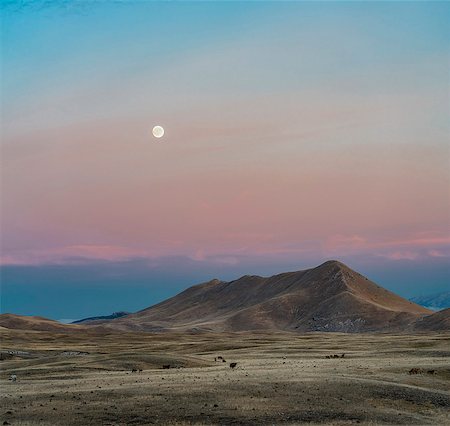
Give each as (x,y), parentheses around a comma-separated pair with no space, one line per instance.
(279,378)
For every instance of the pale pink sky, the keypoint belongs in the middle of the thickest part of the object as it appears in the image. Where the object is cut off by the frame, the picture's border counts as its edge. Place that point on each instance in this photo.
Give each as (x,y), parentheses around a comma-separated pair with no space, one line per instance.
(316,148)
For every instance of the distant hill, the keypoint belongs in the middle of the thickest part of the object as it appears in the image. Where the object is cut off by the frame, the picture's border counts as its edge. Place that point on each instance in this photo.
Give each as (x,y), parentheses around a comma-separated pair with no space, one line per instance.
(330,297)
(104,317)
(30,323)
(435,301)
(438,321)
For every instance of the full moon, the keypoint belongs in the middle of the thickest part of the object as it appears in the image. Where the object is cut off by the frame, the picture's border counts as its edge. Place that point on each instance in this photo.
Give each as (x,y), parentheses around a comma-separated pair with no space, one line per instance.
(158,132)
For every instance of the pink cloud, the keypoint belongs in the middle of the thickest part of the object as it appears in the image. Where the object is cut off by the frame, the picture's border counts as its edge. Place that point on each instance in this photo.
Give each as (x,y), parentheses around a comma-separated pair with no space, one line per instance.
(199,255)
(439,253)
(229,246)
(64,254)
(337,242)
(406,248)
(401,255)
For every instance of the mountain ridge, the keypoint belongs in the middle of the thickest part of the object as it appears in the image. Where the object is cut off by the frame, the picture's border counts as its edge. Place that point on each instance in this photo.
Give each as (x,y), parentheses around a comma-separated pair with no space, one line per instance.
(329,297)
(114,315)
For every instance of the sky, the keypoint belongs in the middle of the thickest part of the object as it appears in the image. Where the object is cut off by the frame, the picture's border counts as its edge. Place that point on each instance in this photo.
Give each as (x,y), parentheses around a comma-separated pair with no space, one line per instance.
(295,132)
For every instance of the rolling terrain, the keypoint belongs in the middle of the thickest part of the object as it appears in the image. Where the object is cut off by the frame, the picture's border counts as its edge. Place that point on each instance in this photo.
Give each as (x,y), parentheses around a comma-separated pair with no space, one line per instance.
(33,323)
(89,378)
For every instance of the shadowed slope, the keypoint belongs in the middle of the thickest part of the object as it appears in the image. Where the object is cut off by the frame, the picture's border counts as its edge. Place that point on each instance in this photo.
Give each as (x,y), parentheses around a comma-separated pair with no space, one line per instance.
(435,322)
(102,317)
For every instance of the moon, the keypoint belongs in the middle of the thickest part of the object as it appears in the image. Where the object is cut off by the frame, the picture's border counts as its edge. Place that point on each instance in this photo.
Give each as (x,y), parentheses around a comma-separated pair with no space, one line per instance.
(158,132)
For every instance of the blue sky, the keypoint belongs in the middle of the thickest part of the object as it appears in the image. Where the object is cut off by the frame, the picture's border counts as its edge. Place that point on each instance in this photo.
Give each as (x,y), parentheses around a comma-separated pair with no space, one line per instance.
(295,132)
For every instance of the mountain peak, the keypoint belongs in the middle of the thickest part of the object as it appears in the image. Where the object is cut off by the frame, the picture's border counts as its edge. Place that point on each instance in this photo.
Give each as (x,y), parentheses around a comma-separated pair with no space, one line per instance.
(333,264)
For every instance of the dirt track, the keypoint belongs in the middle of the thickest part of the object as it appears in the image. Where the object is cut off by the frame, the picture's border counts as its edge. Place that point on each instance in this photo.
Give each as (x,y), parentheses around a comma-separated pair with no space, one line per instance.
(80,379)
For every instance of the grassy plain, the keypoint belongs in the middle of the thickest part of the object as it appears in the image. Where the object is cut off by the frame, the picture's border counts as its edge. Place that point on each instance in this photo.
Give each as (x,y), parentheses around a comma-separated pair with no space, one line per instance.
(85,378)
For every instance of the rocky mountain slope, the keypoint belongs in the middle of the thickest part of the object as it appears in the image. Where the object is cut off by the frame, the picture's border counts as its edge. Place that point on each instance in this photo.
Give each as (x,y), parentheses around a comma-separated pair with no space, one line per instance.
(330,297)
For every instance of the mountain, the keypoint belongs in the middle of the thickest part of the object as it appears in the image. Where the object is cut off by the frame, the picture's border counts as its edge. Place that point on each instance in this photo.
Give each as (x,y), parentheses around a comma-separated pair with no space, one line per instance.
(330,297)
(435,301)
(103,317)
(30,323)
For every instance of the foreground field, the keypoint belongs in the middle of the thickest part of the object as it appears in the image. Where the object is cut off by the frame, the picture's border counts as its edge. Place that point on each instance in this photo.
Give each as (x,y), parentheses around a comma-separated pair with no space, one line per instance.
(86,378)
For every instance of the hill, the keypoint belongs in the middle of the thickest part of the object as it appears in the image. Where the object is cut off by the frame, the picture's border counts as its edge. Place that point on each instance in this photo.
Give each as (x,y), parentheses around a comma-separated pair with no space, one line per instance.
(114,315)
(330,297)
(30,323)
(438,321)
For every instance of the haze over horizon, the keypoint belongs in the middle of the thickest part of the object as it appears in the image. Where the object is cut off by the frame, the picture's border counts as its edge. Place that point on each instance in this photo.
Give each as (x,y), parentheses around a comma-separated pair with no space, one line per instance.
(294,133)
